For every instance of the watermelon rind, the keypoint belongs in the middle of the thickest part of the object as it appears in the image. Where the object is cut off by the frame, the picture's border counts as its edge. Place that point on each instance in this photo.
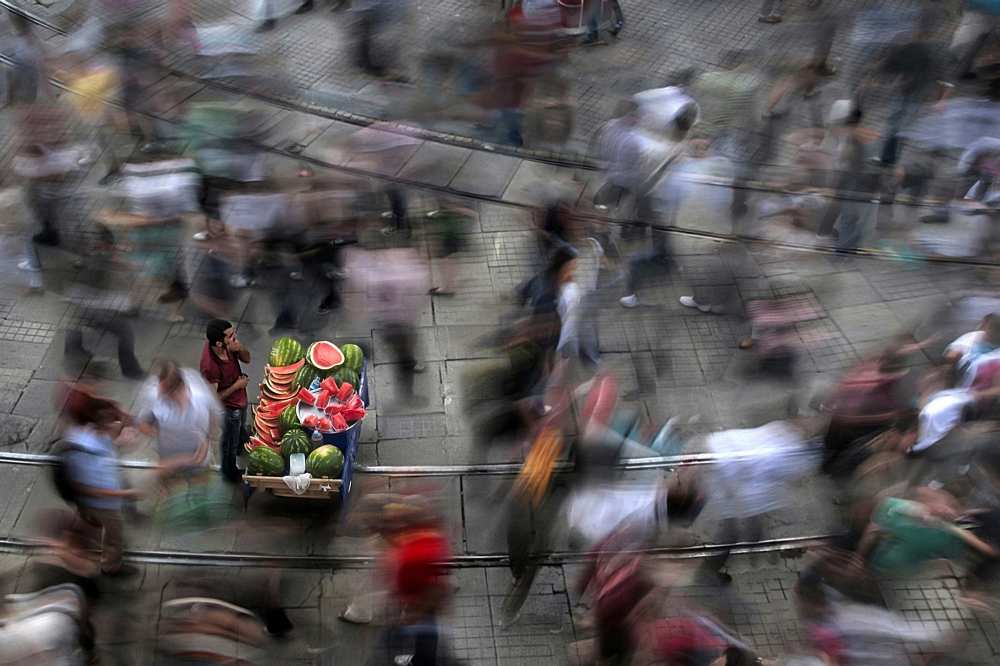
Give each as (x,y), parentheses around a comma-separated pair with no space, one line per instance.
(354,357)
(266,462)
(326,462)
(324,347)
(295,441)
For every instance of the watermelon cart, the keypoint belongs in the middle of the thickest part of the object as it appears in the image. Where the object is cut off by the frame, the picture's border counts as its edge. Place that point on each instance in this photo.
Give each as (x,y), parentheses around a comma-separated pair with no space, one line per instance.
(319,390)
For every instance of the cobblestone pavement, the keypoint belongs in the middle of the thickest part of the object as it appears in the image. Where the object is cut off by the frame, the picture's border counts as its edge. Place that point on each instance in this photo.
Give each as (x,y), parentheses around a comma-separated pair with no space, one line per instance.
(314,52)
(759,607)
(671,360)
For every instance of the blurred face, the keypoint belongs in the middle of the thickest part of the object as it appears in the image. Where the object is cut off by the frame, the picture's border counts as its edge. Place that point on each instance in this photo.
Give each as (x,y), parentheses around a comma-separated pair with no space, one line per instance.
(230,340)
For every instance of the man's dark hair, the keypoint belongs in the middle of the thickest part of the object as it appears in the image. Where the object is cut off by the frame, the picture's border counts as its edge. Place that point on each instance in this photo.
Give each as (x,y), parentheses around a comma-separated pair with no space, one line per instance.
(216,330)
(685,502)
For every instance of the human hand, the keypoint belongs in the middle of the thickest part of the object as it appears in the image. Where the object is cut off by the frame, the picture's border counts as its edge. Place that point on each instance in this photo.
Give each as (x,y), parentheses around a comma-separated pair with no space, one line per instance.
(241,382)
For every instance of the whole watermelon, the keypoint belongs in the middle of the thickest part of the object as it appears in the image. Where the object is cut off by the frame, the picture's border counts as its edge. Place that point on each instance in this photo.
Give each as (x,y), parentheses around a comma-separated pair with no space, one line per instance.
(353,356)
(326,462)
(305,376)
(289,418)
(285,351)
(295,441)
(263,460)
(345,374)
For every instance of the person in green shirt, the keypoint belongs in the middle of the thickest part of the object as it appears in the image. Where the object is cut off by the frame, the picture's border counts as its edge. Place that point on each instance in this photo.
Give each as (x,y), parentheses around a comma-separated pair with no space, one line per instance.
(906,533)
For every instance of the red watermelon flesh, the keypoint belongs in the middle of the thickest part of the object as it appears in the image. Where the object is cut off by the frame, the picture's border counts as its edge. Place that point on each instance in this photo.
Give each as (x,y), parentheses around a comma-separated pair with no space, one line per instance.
(325,355)
(338,421)
(329,384)
(306,396)
(287,370)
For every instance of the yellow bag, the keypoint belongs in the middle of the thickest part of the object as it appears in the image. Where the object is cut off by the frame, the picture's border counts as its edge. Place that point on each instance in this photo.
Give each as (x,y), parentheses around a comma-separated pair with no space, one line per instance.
(91,90)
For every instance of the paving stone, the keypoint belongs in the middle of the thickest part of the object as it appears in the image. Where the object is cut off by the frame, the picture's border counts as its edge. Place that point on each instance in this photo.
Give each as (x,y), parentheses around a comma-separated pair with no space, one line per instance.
(435,164)
(485,174)
(865,322)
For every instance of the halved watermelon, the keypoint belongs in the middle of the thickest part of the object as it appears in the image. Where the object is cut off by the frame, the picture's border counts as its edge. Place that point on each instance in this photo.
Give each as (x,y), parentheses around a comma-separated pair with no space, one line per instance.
(324,355)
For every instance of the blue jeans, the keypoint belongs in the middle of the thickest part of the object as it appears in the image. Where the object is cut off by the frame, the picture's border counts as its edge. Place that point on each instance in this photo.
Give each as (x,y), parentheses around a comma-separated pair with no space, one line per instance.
(232,440)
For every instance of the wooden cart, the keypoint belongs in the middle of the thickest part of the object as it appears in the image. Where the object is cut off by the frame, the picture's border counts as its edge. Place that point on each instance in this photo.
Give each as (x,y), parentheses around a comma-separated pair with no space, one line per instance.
(331,489)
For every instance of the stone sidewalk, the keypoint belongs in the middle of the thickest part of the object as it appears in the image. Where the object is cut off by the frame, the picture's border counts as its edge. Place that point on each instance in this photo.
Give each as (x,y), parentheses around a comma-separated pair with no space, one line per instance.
(314,53)
(759,607)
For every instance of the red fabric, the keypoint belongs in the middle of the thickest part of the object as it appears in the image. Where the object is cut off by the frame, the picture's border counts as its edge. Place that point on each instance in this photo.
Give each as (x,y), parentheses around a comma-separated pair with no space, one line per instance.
(417,562)
(675,638)
(223,373)
(865,390)
(987,376)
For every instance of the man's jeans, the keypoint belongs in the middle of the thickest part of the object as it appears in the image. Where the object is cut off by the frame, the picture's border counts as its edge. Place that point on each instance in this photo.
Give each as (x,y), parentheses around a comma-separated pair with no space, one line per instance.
(232,440)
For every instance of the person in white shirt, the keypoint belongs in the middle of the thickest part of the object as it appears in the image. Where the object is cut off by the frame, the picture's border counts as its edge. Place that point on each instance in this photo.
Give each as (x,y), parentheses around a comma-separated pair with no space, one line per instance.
(181,410)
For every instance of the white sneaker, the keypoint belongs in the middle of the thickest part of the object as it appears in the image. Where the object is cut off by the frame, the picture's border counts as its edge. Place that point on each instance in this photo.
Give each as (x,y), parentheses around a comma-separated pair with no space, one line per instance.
(689,302)
(629,301)
(201,236)
(28,265)
(240,281)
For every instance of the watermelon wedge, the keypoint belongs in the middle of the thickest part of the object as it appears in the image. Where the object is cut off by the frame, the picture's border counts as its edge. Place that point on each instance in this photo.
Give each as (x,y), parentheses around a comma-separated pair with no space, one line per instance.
(324,355)
(286,370)
(306,396)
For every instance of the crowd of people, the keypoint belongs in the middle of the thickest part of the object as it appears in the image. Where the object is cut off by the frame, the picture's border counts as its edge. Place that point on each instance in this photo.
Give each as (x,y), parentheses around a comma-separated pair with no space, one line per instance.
(198,212)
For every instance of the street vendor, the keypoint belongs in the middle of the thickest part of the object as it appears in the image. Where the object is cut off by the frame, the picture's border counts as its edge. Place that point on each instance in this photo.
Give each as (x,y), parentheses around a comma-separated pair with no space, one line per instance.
(220,366)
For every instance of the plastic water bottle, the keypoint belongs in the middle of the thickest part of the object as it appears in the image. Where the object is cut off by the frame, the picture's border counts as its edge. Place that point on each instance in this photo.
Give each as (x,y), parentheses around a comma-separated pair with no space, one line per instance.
(317,439)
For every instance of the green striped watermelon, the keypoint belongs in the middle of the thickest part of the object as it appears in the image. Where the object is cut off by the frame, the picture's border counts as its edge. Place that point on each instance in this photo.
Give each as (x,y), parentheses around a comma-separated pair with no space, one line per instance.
(265,461)
(285,351)
(295,441)
(305,376)
(354,358)
(345,374)
(326,462)
(289,418)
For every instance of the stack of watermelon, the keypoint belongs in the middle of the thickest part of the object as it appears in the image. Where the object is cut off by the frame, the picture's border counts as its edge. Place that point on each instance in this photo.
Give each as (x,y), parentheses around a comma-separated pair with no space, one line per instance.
(323,376)
(277,392)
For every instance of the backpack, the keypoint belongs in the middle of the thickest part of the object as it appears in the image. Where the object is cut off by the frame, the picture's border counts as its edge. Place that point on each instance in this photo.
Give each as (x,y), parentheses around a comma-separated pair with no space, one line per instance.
(62,478)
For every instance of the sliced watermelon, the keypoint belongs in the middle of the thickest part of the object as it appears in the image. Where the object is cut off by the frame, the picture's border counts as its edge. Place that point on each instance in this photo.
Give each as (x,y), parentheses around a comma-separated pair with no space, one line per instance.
(334,408)
(288,370)
(355,402)
(338,421)
(275,407)
(306,396)
(329,384)
(324,355)
(353,414)
(327,425)
(323,399)
(256,441)
(345,391)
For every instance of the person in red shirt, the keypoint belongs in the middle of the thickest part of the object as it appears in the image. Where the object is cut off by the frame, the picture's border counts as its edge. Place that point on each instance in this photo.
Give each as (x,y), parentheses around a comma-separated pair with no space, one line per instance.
(220,366)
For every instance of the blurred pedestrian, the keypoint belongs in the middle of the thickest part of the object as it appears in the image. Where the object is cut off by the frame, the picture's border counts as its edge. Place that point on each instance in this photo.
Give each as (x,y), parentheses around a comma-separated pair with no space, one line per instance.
(728,101)
(396,284)
(450,223)
(92,470)
(375,17)
(179,409)
(220,366)
(979,19)
(907,533)
(28,56)
(666,116)
(97,290)
(850,214)
(755,467)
